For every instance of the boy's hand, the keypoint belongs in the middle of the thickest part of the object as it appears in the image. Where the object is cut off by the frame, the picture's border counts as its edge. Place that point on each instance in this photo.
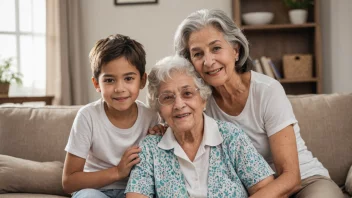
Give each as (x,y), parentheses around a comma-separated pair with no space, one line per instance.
(128,160)
(158,129)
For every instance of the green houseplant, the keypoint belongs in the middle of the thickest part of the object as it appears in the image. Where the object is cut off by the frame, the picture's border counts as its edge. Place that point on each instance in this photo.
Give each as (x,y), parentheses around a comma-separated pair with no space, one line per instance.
(298,4)
(298,13)
(8,76)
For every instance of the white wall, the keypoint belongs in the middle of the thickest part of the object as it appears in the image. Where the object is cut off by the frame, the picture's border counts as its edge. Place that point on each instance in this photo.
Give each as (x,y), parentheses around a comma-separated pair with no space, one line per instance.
(152,25)
(336,27)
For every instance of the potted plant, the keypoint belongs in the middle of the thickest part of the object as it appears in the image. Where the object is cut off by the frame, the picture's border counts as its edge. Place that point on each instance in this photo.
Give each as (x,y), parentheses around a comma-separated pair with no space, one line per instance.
(298,13)
(8,76)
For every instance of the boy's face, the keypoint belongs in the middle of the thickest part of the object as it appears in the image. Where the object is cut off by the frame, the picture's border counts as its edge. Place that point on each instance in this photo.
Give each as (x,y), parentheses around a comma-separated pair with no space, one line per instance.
(119,84)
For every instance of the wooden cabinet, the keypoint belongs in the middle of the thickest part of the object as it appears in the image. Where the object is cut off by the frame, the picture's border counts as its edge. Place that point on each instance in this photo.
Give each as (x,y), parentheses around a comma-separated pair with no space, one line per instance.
(281,37)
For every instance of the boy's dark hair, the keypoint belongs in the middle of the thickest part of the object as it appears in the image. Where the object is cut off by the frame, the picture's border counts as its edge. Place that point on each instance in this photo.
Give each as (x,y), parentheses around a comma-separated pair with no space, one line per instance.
(116,46)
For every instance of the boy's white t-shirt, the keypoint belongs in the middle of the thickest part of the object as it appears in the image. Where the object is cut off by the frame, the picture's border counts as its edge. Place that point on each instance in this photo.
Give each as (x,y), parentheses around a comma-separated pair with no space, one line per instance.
(94,138)
(266,112)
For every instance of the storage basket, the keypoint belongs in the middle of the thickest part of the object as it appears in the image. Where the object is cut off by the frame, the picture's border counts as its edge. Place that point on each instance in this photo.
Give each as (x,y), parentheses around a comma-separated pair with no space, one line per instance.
(297,66)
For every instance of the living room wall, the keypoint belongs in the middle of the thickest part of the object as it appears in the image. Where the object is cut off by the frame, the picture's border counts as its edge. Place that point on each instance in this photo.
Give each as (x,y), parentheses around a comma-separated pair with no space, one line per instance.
(336,30)
(154,26)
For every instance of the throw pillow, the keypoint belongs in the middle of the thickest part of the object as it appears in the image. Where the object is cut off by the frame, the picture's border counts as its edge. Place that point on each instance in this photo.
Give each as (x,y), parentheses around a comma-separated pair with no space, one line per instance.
(348,184)
(26,176)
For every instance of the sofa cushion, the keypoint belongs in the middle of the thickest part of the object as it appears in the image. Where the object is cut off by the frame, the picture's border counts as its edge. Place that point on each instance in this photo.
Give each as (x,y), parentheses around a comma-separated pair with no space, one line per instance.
(326,127)
(20,175)
(36,133)
(30,195)
(348,184)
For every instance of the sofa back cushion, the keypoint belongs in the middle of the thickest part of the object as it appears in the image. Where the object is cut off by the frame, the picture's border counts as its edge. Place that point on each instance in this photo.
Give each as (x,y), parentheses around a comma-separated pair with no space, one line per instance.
(326,127)
(36,133)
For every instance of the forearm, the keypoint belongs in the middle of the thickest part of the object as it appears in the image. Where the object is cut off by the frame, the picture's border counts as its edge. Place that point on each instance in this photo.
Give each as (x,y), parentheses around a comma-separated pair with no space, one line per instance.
(96,180)
(283,186)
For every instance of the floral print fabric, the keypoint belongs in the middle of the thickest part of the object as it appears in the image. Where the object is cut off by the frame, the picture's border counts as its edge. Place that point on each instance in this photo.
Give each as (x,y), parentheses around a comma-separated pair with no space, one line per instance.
(234,166)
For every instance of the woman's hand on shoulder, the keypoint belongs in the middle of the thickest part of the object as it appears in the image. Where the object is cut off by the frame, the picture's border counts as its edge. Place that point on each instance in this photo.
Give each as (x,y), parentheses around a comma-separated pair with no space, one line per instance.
(158,129)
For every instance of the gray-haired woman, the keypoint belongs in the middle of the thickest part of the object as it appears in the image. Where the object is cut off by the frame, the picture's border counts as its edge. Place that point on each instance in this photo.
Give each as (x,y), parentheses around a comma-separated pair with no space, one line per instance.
(197,156)
(219,52)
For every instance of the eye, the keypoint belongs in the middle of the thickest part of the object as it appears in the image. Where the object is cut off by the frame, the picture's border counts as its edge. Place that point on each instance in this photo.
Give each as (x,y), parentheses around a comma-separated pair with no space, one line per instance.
(187,94)
(197,55)
(129,78)
(108,80)
(217,48)
(166,96)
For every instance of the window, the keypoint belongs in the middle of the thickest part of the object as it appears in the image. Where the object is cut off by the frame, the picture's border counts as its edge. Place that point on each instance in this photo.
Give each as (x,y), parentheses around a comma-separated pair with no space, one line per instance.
(22,37)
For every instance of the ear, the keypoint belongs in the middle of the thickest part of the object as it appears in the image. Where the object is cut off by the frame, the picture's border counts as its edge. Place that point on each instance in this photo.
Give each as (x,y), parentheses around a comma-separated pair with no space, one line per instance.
(96,84)
(236,49)
(143,80)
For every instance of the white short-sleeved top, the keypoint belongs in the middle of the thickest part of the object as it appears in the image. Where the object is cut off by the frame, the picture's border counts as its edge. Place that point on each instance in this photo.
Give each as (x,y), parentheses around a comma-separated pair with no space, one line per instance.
(94,138)
(266,112)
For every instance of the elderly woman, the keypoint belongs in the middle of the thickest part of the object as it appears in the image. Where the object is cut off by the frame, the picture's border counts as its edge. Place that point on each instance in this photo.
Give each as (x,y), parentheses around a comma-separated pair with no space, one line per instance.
(219,52)
(197,156)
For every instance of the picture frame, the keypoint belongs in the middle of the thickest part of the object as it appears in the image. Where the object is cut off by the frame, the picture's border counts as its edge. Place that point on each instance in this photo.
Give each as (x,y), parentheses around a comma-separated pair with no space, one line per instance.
(134,2)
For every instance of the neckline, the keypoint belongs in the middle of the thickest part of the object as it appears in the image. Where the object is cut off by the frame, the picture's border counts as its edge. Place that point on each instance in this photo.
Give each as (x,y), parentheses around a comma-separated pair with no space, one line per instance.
(113,127)
(245,106)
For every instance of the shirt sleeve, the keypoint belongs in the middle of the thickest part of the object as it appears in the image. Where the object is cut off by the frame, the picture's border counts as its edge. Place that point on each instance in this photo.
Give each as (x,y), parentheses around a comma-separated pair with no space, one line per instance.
(250,166)
(142,178)
(278,112)
(80,138)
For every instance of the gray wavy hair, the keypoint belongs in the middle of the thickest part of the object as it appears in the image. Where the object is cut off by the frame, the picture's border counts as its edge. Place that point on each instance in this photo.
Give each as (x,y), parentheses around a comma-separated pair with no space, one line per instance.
(162,71)
(219,20)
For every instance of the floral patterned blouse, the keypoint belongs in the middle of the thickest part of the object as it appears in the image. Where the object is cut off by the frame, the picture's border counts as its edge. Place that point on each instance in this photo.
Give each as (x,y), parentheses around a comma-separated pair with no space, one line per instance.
(234,166)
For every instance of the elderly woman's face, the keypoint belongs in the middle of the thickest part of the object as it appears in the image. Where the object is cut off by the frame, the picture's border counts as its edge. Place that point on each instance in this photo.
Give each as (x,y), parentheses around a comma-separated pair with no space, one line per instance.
(212,56)
(186,112)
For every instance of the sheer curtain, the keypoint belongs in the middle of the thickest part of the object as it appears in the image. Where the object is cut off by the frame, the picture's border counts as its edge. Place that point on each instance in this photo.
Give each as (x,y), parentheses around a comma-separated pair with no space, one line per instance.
(65,75)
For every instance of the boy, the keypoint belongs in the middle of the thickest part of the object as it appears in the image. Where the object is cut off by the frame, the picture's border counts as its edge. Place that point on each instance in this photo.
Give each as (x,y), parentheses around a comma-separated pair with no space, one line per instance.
(100,151)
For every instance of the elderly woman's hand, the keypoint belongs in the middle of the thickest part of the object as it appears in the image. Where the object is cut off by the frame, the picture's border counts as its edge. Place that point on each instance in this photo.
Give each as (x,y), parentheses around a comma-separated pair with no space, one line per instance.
(158,129)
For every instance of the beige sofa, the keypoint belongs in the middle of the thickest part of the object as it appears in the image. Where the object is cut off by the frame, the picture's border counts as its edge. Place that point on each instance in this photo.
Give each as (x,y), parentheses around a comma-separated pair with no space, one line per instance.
(40,135)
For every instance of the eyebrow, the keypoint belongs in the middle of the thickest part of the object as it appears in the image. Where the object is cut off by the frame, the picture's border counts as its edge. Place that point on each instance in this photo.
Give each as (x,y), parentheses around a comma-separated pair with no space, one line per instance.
(126,74)
(168,91)
(185,86)
(129,74)
(211,43)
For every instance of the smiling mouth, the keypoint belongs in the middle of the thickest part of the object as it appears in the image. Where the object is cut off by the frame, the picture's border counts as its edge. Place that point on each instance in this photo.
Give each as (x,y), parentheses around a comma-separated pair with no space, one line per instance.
(183,115)
(120,98)
(214,71)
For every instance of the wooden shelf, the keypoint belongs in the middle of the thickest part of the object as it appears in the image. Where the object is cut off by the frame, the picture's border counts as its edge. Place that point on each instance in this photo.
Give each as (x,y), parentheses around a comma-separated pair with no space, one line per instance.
(278,26)
(298,80)
(280,38)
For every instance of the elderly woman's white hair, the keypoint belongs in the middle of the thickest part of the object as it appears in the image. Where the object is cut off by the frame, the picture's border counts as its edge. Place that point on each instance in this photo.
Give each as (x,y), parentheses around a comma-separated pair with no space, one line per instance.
(163,70)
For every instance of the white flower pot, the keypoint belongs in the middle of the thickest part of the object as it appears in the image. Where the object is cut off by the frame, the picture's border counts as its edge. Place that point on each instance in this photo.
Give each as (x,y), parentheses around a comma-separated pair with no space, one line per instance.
(298,16)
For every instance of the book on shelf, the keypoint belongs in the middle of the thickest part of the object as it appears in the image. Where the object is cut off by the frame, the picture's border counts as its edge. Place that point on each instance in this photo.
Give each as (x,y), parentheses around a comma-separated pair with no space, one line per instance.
(275,70)
(257,67)
(266,67)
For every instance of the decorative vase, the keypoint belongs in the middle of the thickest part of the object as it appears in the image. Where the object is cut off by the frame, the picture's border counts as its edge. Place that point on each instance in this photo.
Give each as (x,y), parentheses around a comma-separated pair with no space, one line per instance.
(4,89)
(298,16)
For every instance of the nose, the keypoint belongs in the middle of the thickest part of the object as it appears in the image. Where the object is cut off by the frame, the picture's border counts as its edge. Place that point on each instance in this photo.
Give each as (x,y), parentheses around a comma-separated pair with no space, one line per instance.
(119,87)
(179,103)
(208,59)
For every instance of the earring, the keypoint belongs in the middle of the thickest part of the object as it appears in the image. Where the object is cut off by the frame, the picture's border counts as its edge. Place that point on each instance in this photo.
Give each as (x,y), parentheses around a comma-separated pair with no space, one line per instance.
(236,58)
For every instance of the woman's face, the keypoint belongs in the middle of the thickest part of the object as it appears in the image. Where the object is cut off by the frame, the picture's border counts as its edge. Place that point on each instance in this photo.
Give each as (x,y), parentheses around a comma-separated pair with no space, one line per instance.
(186,112)
(212,56)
